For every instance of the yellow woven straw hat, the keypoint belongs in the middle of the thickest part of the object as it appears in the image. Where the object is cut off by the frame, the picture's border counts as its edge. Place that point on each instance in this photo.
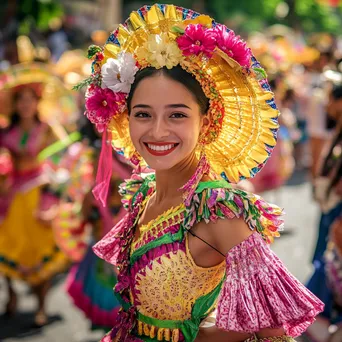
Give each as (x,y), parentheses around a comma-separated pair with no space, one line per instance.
(242,111)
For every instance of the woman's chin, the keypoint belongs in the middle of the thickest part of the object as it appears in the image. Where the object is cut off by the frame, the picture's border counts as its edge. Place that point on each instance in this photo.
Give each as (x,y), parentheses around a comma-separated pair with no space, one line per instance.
(160,163)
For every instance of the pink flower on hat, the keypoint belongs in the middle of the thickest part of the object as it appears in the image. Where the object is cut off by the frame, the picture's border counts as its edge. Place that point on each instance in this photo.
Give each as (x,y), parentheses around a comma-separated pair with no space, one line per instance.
(197,39)
(232,45)
(102,104)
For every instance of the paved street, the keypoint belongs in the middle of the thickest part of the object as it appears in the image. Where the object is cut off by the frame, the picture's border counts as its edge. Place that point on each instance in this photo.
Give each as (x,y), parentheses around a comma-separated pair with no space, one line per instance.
(68,325)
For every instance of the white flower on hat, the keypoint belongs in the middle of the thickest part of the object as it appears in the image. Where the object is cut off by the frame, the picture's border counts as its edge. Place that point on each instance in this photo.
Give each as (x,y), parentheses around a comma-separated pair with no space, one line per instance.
(118,74)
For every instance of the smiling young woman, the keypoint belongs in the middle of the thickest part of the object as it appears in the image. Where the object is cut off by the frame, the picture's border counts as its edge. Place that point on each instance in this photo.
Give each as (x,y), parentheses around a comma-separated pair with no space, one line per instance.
(178,92)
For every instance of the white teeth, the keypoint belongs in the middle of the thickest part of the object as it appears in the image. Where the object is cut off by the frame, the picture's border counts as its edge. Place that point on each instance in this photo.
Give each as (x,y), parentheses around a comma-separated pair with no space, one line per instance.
(160,148)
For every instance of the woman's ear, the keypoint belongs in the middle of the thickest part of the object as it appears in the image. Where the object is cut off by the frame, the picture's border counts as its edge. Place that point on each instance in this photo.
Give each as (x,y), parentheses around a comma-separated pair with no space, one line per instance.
(205,124)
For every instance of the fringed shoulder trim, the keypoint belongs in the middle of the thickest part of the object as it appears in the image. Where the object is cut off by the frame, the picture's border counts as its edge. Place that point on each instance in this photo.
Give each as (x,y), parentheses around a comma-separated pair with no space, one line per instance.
(130,187)
(216,199)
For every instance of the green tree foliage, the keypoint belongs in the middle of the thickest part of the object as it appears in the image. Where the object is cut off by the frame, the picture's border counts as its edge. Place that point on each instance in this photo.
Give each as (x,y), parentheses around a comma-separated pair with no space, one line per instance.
(251,15)
(310,15)
(31,12)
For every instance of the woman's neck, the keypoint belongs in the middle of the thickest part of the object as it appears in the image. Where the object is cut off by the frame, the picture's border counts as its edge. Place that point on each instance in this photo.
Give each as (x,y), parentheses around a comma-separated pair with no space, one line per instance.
(169,181)
(27,123)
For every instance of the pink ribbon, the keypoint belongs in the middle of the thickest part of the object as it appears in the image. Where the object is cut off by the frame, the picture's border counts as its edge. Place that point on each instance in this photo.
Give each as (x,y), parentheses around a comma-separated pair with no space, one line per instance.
(104,169)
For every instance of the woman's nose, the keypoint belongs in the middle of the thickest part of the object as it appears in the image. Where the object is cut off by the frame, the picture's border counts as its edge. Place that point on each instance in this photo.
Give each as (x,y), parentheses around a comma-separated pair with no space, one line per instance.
(160,129)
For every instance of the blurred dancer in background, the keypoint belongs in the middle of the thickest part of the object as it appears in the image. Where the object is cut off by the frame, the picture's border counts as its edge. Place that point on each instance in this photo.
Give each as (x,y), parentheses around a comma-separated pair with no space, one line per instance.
(328,192)
(318,92)
(280,165)
(90,282)
(27,247)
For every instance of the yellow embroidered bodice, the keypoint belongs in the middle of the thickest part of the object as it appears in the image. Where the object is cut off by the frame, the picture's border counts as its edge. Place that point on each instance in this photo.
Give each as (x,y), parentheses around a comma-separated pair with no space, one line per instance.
(166,282)
(172,283)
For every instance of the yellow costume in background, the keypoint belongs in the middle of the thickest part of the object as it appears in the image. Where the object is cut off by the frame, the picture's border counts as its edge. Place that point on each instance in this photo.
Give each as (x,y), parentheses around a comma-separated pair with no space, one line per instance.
(27,245)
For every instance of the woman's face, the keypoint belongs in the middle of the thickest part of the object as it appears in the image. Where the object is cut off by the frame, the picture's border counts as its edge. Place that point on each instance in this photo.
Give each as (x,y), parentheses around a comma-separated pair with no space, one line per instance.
(27,104)
(165,122)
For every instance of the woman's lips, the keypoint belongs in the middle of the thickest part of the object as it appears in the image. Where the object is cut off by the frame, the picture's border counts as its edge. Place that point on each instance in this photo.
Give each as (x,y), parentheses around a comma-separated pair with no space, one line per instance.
(160,149)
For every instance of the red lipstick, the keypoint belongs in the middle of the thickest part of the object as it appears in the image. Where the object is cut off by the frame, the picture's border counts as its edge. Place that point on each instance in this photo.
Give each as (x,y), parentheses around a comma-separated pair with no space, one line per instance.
(160,149)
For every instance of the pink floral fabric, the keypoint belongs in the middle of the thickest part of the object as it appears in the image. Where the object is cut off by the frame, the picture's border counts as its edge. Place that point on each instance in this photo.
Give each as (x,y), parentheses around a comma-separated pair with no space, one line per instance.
(259,292)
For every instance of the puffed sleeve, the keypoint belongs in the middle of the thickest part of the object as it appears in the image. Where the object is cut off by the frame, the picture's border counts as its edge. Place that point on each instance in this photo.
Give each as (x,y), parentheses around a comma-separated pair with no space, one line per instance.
(259,292)
(113,245)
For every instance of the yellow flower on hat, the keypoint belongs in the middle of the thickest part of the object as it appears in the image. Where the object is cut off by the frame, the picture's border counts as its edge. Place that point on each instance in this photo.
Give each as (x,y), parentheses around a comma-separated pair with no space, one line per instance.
(159,51)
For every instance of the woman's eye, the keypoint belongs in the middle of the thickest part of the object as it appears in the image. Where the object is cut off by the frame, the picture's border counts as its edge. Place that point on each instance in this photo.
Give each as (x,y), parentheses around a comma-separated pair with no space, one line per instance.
(178,115)
(141,115)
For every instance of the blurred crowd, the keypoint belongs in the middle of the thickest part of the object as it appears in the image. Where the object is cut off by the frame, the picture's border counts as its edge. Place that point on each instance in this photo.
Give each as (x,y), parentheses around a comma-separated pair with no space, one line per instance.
(48,149)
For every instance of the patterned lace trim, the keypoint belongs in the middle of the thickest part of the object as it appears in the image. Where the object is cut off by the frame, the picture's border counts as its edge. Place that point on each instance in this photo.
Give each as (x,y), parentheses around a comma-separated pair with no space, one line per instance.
(154,228)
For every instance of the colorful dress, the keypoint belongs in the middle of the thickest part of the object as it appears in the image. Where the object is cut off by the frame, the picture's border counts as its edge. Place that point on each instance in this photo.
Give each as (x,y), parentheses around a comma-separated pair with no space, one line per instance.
(166,296)
(27,246)
(90,283)
(91,280)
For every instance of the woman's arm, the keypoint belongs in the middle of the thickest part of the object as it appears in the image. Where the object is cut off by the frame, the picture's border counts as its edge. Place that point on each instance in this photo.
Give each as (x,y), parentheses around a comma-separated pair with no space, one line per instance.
(244,306)
(218,335)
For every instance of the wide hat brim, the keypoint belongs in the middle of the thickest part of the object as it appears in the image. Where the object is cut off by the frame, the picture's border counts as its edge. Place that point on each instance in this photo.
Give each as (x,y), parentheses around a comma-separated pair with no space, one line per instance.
(56,101)
(249,125)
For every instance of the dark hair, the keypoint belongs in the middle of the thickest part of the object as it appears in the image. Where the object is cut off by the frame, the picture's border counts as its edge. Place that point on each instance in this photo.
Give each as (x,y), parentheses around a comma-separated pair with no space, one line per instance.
(289,95)
(330,162)
(15,117)
(177,74)
(337,93)
(88,132)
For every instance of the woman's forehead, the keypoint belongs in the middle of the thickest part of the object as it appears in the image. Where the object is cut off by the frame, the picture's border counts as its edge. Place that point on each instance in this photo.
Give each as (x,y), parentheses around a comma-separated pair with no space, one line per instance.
(162,91)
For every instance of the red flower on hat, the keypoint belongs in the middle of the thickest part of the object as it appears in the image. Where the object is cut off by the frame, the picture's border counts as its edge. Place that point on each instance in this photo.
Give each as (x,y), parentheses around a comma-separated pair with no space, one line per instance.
(232,45)
(197,39)
(103,104)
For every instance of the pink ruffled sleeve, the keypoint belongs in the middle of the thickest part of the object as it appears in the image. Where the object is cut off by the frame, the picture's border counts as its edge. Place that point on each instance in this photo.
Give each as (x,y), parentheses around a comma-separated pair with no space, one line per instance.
(109,247)
(259,292)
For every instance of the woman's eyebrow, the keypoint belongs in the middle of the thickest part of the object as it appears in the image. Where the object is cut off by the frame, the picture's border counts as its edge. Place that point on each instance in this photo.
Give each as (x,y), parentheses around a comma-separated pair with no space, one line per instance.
(173,105)
(177,105)
(142,106)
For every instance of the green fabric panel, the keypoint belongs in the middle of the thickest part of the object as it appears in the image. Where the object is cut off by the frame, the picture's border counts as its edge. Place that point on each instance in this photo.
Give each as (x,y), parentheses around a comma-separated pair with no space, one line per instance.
(212,185)
(126,306)
(199,311)
(205,303)
(165,239)
(190,330)
(24,139)
(160,323)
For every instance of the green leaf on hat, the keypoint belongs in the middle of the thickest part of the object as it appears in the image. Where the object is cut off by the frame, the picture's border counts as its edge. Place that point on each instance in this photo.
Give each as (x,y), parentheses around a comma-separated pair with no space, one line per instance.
(177,29)
(93,50)
(260,73)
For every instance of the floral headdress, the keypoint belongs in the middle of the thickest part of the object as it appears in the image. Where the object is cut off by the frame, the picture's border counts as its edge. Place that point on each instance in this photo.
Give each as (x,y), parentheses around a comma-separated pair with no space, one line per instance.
(242,111)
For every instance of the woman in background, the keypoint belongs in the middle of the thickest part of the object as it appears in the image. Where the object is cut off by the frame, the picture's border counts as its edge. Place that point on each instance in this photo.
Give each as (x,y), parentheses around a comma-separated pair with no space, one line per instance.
(27,247)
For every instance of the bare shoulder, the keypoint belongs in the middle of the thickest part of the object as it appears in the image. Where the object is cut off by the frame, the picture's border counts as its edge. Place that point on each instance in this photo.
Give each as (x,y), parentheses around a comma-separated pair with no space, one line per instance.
(225,233)
(228,233)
